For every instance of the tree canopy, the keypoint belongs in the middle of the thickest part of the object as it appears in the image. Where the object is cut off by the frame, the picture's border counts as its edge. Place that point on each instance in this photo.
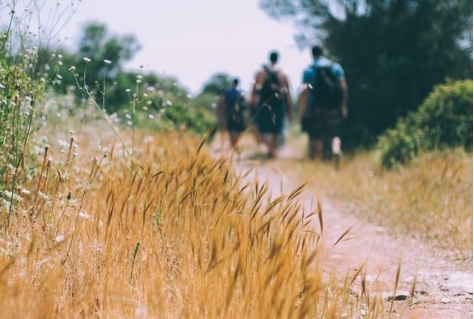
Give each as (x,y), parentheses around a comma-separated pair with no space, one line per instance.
(393,51)
(217,83)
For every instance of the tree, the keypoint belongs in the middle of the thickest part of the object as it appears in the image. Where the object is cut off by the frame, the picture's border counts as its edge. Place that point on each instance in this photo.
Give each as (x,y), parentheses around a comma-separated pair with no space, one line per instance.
(217,83)
(393,51)
(97,65)
(212,89)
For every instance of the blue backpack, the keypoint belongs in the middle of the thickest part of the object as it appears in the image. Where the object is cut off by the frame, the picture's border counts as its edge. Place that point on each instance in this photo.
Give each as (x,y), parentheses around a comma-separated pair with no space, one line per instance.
(235,102)
(326,90)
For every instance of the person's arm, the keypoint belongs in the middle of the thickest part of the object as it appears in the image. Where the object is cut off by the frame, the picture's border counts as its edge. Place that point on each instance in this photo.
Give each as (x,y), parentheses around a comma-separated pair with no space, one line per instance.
(339,72)
(302,101)
(257,85)
(221,116)
(343,83)
(289,100)
(303,97)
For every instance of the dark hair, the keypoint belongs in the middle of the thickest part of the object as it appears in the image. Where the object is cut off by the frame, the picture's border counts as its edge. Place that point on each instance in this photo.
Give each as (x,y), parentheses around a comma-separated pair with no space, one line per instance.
(274,56)
(235,82)
(317,50)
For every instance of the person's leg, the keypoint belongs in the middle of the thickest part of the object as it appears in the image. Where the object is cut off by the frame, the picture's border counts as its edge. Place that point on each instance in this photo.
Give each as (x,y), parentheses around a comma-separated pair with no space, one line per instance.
(256,132)
(336,151)
(274,143)
(267,140)
(315,136)
(234,138)
(283,132)
(316,149)
(334,130)
(222,135)
(278,126)
(336,145)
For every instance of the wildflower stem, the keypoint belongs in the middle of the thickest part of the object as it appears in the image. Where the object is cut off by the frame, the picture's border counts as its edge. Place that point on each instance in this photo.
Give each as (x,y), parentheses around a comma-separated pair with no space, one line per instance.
(137,246)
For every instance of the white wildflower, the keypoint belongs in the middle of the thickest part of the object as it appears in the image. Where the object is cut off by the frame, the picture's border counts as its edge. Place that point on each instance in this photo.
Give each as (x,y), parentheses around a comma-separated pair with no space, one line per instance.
(9,195)
(6,204)
(148,139)
(151,116)
(43,196)
(87,60)
(59,238)
(84,215)
(107,62)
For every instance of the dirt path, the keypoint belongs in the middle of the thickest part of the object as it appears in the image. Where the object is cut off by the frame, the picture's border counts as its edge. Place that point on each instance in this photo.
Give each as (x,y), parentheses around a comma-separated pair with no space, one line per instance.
(443,289)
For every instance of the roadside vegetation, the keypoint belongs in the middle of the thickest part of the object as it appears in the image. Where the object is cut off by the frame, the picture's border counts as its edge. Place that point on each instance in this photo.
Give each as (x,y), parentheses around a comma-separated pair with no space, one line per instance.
(429,199)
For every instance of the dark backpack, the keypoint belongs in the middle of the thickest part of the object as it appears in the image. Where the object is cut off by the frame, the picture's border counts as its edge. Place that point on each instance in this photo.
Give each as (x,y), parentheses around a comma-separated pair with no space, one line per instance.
(270,87)
(326,90)
(235,104)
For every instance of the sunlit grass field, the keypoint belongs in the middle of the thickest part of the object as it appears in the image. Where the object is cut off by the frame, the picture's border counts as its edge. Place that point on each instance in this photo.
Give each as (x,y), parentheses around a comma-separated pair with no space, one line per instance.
(165,230)
(160,231)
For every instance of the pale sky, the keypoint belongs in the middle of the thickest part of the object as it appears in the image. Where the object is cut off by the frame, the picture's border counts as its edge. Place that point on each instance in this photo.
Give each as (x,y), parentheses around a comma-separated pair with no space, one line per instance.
(192,39)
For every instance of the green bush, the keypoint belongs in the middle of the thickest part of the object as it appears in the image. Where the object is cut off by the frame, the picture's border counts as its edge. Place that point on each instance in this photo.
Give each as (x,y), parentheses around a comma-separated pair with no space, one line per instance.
(20,93)
(443,121)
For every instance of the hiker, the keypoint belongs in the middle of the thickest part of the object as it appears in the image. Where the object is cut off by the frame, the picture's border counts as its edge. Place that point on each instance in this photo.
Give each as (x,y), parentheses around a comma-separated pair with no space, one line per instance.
(323,104)
(231,112)
(271,98)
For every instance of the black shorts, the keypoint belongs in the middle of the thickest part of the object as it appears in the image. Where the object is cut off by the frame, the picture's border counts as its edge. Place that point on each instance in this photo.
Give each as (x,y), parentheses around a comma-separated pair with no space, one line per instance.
(321,124)
(236,123)
(270,117)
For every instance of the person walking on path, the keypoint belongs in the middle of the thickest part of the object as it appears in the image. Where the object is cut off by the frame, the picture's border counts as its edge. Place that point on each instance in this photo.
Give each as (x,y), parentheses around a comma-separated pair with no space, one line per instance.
(231,112)
(323,104)
(271,97)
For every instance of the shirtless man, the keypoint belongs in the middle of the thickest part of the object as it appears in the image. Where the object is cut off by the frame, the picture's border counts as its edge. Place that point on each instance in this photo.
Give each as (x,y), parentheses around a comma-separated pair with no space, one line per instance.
(272,99)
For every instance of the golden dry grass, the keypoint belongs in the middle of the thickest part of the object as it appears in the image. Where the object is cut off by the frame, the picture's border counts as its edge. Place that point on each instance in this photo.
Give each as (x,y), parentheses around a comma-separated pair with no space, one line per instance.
(169,232)
(429,199)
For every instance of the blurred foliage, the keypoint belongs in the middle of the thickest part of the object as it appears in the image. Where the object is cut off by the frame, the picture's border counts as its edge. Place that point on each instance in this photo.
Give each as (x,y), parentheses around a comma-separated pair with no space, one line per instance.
(393,52)
(97,66)
(217,83)
(142,100)
(20,94)
(443,121)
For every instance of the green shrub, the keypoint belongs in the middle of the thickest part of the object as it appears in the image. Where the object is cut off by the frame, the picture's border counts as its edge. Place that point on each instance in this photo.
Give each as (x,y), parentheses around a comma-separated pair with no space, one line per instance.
(443,121)
(20,93)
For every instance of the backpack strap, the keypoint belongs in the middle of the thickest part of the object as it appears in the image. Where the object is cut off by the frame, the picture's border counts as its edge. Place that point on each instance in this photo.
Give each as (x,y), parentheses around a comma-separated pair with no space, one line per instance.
(272,74)
(316,67)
